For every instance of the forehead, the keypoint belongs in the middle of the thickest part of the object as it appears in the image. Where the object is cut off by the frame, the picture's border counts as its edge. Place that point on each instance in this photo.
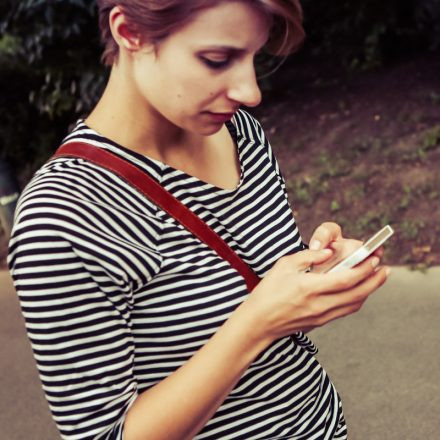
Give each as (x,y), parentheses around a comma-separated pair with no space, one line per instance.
(229,23)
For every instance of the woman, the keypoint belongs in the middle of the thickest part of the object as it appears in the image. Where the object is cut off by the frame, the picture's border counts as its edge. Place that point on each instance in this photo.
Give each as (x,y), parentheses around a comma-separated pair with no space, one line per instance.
(140,330)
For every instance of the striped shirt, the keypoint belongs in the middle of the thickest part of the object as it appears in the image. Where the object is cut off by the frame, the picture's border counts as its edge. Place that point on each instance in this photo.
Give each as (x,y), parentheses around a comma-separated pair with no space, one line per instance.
(117,295)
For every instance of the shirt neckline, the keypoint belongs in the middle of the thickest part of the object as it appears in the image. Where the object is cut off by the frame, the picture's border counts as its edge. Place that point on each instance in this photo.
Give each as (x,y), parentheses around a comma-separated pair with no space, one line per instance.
(233,131)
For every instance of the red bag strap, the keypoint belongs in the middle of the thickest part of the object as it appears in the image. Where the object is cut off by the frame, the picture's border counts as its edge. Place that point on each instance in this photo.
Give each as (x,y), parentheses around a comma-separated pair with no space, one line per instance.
(161,197)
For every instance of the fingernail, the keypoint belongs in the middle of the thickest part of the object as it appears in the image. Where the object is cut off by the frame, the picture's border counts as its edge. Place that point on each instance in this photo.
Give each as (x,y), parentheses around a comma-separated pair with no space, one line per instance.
(327,251)
(388,271)
(315,245)
(375,261)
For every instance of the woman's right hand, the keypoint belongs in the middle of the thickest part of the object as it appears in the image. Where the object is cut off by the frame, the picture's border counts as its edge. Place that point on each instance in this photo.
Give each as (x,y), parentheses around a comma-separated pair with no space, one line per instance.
(289,299)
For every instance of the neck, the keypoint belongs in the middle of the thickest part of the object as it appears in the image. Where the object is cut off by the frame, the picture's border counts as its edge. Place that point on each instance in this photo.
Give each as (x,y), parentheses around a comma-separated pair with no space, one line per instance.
(124,117)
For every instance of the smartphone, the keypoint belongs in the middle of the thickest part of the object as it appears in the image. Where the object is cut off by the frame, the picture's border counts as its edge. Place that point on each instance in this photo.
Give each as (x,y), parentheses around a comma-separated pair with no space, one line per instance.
(365,250)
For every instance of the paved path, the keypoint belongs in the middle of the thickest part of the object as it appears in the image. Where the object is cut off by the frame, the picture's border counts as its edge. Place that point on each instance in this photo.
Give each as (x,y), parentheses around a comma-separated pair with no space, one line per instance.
(385,361)
(23,409)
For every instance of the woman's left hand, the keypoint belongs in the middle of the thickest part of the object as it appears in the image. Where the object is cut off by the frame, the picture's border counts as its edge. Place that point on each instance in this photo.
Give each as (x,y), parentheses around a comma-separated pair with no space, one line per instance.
(329,235)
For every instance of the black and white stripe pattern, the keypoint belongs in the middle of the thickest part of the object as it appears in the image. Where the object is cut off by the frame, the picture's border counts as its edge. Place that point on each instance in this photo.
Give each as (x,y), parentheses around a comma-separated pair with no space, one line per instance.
(116,294)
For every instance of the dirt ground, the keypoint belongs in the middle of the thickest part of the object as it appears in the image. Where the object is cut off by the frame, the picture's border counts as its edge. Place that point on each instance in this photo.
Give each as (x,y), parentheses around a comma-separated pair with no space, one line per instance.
(361,150)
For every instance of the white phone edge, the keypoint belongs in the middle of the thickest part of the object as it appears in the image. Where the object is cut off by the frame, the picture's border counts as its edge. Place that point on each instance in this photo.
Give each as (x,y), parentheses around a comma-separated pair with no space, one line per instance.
(364,251)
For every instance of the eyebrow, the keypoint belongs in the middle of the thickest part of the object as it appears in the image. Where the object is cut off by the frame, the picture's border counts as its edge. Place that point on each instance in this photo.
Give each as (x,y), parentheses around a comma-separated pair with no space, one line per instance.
(222,47)
(231,50)
(228,48)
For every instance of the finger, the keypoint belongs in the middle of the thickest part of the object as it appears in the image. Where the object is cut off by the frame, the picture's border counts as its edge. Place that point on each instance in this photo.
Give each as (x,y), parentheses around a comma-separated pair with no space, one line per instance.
(306,259)
(343,280)
(379,252)
(324,235)
(345,246)
(346,303)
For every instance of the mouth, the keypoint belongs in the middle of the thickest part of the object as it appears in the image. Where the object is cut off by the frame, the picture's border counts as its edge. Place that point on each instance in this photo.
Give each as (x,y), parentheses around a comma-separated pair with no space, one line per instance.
(223,113)
(225,116)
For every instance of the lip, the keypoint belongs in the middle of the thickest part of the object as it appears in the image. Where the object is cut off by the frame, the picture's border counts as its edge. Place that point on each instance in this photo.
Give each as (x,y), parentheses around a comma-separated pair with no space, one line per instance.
(220,116)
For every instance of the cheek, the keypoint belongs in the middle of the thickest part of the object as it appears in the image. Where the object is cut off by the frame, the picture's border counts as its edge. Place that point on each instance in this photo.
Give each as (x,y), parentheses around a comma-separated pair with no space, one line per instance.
(191,82)
(177,88)
(192,92)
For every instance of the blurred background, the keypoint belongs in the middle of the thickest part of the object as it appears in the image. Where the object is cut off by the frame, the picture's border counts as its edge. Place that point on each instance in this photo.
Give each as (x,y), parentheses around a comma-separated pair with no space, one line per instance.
(354,117)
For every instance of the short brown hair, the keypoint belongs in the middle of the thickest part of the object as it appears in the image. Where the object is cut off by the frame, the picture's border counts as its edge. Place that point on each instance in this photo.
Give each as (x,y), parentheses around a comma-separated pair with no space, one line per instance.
(155,20)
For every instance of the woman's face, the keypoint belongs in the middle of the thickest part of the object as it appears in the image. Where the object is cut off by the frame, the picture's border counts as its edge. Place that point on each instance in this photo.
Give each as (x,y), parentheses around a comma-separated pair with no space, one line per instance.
(206,66)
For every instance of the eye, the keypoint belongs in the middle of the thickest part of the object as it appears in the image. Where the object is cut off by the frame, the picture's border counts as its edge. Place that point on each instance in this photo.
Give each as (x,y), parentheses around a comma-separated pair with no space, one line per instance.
(215,64)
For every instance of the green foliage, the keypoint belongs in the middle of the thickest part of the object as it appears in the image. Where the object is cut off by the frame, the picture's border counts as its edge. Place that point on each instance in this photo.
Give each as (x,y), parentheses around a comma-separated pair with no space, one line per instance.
(431,138)
(410,228)
(335,206)
(307,190)
(406,197)
(333,165)
(364,34)
(371,221)
(354,193)
(49,74)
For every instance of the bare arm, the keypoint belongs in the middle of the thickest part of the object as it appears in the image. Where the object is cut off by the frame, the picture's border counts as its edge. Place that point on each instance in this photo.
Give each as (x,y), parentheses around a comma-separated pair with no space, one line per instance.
(285,301)
(180,405)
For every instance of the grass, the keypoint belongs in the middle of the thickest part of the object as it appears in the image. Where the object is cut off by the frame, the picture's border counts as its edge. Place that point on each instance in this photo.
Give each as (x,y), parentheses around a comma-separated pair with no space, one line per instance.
(346,183)
(332,165)
(410,229)
(431,139)
(365,152)
(406,197)
(354,193)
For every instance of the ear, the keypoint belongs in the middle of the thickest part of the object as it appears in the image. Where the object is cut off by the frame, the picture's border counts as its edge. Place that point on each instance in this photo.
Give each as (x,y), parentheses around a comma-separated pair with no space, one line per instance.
(123,36)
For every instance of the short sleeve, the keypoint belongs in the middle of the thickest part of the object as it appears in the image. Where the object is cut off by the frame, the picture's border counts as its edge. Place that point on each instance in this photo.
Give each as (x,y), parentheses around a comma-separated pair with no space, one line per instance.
(76,298)
(260,135)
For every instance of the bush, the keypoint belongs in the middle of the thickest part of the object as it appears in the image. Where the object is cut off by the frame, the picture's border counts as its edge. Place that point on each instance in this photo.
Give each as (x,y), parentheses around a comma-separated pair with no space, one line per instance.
(50,72)
(365,34)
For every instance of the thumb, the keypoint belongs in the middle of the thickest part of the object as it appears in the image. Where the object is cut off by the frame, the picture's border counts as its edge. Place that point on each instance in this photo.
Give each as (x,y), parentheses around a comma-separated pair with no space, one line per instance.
(324,235)
(306,259)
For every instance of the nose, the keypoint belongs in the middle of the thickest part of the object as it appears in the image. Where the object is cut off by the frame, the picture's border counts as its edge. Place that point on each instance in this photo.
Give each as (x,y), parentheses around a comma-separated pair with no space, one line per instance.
(244,87)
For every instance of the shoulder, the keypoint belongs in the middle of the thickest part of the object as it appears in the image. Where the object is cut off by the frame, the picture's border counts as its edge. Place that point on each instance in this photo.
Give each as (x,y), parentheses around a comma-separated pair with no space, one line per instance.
(249,126)
(71,210)
(63,178)
(73,195)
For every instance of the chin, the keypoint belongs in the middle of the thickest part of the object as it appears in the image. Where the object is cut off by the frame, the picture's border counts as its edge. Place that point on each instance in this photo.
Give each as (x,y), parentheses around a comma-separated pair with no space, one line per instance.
(204,127)
(211,129)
